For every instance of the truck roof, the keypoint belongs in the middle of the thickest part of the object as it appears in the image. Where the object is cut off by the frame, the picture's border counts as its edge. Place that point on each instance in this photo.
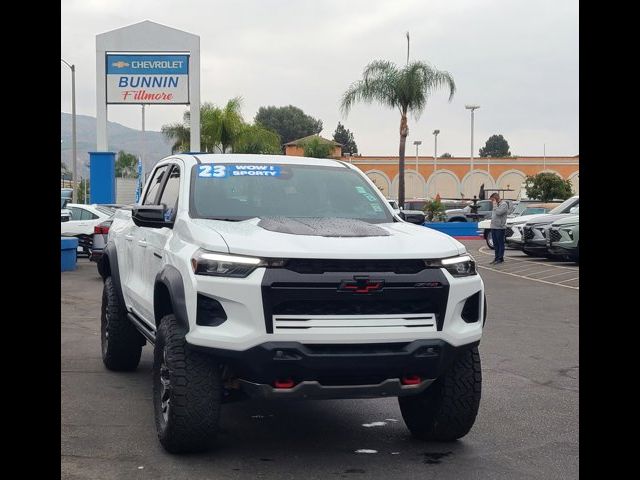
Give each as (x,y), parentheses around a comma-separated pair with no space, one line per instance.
(253,158)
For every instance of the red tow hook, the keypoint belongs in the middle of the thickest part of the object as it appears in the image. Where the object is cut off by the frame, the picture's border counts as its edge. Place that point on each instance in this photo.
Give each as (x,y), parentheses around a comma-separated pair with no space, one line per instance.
(287,383)
(411,380)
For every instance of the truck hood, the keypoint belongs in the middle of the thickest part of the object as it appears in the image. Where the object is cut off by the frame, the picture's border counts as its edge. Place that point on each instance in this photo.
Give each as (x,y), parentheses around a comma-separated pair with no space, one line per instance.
(522,219)
(547,219)
(401,240)
(570,220)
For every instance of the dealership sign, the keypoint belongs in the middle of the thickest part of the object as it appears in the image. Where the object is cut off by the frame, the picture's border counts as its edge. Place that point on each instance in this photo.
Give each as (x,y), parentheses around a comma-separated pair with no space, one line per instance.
(150,78)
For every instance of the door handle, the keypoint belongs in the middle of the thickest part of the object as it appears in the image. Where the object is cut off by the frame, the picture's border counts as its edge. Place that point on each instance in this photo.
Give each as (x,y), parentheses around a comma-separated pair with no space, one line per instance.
(129,237)
(142,243)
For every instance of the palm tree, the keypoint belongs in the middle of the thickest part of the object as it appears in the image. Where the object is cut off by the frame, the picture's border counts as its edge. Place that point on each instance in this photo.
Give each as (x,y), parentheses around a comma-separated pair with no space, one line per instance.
(223,129)
(179,133)
(406,88)
(224,125)
(257,139)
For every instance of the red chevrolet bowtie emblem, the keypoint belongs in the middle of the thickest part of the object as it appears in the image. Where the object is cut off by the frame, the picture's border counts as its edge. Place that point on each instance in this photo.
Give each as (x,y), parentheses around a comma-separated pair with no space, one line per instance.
(361,285)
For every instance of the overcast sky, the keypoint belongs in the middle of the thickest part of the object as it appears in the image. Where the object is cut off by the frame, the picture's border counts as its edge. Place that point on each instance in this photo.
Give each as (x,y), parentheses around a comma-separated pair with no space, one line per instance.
(517,59)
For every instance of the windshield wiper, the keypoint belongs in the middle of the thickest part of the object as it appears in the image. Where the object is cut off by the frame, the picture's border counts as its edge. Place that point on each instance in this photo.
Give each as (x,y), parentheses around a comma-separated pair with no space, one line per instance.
(225,219)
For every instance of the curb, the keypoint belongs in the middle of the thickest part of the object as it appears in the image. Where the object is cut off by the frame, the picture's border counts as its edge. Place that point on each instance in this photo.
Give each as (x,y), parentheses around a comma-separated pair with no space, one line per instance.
(478,237)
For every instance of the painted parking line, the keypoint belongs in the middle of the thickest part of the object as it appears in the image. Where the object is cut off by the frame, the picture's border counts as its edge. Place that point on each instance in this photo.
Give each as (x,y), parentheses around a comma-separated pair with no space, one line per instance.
(546,271)
(541,261)
(535,267)
(531,268)
(557,275)
(570,280)
(529,278)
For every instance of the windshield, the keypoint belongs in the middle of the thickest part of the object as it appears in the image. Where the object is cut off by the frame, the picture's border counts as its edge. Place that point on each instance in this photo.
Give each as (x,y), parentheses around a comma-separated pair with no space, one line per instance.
(568,203)
(242,191)
(519,208)
(534,211)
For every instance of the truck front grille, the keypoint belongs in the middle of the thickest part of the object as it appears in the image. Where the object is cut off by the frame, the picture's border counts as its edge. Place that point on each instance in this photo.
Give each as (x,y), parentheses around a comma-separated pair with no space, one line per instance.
(295,301)
(554,235)
(527,233)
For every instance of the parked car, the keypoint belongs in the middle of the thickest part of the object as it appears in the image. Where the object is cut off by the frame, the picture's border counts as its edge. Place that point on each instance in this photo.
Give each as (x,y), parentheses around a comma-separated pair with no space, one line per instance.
(536,232)
(412,216)
(563,239)
(237,270)
(101,236)
(83,219)
(415,204)
(520,209)
(485,207)
(513,232)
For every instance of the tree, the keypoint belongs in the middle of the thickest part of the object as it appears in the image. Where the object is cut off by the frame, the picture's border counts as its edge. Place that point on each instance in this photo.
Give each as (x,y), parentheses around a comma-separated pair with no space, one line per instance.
(496,146)
(316,148)
(547,186)
(222,127)
(126,165)
(180,133)
(257,139)
(290,122)
(81,186)
(445,155)
(405,88)
(435,211)
(345,137)
(224,130)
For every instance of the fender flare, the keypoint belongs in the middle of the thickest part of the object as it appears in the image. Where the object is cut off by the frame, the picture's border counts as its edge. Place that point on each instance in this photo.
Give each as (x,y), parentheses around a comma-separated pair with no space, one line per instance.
(108,266)
(172,279)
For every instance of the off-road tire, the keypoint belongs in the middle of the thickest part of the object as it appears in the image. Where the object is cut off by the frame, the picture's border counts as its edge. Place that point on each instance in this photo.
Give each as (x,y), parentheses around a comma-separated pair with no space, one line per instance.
(194,393)
(121,342)
(446,410)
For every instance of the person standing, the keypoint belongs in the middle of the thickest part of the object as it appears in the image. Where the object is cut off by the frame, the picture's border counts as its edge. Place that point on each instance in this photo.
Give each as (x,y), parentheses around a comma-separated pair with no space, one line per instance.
(498,226)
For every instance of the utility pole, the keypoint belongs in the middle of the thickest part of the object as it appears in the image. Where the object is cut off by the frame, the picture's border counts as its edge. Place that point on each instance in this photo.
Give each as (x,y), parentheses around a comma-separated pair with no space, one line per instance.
(74,194)
(472,108)
(143,147)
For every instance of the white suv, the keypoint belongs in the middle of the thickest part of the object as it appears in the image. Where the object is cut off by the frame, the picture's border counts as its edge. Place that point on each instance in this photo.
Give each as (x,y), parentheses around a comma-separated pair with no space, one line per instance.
(288,277)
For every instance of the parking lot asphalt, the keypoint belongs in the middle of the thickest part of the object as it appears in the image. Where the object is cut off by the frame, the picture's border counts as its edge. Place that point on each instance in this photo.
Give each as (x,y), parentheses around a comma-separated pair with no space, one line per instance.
(517,263)
(527,426)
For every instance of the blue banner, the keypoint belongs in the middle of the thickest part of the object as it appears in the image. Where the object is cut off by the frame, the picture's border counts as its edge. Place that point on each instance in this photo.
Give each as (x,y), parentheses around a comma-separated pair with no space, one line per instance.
(148,64)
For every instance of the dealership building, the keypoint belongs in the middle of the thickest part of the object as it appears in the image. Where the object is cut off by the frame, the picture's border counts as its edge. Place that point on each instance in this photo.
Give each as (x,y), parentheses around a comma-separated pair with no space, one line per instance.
(452,177)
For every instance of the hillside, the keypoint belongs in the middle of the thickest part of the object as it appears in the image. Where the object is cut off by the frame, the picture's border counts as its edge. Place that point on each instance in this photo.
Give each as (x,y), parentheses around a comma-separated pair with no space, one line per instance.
(120,138)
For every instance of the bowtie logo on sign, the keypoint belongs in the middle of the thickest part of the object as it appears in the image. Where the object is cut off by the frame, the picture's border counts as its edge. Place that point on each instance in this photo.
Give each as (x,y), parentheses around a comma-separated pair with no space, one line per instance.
(155,78)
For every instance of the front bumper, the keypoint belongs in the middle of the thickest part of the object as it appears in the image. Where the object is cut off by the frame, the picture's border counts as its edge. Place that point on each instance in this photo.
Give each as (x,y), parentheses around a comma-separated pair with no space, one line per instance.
(338,370)
(308,308)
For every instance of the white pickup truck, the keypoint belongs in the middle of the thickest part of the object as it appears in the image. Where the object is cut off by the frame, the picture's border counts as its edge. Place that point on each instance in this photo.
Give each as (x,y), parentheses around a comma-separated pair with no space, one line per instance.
(287,277)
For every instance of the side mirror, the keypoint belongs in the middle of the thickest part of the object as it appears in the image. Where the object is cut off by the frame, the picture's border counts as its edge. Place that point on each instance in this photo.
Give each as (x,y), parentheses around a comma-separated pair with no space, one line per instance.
(573,209)
(417,218)
(152,216)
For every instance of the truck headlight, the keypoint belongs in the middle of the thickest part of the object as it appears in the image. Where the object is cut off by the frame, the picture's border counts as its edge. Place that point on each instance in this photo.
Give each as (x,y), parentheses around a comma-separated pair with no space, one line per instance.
(461,266)
(224,265)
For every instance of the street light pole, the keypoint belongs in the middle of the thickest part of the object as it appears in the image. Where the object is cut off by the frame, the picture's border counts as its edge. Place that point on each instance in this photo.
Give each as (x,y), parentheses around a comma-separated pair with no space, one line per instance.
(417,143)
(472,108)
(435,160)
(73,127)
(435,149)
